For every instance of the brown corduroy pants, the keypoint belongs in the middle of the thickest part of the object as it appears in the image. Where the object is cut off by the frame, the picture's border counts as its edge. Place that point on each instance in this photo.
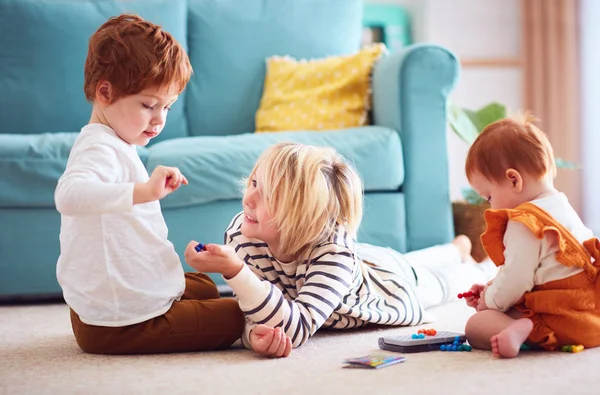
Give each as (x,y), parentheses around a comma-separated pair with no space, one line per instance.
(200,321)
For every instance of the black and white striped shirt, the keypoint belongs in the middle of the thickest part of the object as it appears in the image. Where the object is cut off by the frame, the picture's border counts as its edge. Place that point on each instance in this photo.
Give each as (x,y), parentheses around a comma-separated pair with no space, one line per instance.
(333,288)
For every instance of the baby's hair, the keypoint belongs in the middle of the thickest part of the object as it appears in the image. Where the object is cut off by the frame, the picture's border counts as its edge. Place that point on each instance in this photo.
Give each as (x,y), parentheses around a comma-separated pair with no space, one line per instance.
(308,190)
(132,55)
(513,142)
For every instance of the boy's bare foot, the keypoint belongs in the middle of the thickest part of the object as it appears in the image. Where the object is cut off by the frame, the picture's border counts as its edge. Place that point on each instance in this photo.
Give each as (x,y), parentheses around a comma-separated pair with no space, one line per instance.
(507,343)
(463,243)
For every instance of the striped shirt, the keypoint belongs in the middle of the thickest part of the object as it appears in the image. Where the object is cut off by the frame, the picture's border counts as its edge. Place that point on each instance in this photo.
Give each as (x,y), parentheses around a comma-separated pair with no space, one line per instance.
(333,288)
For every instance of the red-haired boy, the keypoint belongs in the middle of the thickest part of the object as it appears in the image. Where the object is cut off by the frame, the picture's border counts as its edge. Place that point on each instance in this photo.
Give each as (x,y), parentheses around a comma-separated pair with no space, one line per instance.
(119,274)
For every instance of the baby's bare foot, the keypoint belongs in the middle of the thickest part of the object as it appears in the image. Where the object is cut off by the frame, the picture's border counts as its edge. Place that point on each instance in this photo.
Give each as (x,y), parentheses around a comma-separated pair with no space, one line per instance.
(507,343)
(463,243)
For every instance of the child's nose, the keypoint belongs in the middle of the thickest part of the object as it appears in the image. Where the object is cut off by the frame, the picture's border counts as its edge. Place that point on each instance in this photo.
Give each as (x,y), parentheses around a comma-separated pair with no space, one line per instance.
(249,200)
(159,118)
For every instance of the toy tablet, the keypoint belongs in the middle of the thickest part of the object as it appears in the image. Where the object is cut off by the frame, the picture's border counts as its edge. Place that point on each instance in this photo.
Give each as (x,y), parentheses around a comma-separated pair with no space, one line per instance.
(408,344)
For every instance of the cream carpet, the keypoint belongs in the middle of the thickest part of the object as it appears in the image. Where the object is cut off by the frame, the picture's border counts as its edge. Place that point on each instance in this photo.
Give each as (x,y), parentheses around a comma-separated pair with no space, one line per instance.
(38,355)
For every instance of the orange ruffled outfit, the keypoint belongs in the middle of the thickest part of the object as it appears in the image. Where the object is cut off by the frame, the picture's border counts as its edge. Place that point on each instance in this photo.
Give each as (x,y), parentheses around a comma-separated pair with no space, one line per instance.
(565,311)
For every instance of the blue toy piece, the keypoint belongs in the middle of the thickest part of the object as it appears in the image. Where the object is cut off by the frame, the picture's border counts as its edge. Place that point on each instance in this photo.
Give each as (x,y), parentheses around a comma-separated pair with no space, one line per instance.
(200,247)
(420,342)
(457,345)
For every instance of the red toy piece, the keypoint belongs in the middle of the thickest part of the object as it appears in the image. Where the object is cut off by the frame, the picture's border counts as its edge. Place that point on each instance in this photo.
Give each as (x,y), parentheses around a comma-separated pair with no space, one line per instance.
(468,294)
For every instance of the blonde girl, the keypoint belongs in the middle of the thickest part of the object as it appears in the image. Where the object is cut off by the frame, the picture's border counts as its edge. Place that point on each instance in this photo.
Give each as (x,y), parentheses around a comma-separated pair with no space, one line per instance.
(292,259)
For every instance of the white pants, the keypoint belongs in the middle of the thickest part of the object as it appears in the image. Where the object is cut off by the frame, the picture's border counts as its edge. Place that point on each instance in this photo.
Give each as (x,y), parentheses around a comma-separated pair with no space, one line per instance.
(437,273)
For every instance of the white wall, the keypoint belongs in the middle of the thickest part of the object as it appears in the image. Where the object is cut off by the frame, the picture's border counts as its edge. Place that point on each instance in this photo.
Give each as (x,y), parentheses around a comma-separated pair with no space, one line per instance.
(590,117)
(472,29)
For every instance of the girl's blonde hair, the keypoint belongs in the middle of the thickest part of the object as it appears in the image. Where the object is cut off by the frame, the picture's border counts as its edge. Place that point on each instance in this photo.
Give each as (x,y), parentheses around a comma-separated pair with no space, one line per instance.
(308,190)
(514,142)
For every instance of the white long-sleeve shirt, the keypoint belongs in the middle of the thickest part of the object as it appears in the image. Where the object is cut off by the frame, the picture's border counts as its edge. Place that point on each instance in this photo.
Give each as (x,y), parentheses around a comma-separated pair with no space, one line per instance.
(333,288)
(116,266)
(530,261)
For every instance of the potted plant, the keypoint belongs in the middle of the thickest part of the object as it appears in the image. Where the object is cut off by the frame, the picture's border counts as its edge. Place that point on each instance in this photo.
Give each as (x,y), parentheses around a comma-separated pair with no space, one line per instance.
(468,213)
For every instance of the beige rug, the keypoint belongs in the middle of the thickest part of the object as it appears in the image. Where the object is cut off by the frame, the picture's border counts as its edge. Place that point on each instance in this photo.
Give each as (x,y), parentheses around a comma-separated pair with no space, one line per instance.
(38,355)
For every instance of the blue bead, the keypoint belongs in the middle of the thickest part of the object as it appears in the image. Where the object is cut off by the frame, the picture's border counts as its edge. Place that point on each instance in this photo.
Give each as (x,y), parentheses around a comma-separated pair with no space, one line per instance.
(457,339)
(454,348)
(414,336)
(443,347)
(422,336)
(199,247)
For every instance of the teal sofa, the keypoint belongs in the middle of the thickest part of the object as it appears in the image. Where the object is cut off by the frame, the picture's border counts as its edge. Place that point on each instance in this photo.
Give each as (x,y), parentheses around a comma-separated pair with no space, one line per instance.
(210,131)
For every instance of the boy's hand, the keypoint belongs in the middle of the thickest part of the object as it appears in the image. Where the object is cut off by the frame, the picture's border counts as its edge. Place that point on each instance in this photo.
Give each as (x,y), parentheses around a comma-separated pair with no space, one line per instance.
(162,182)
(270,342)
(477,290)
(215,259)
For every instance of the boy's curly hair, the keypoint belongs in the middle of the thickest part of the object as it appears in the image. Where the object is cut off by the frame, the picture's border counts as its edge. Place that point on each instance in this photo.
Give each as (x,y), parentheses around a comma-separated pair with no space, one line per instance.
(132,55)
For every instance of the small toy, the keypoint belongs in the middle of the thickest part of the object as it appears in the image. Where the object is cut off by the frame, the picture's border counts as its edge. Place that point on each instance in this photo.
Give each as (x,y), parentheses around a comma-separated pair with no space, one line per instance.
(200,247)
(375,361)
(572,349)
(457,345)
(420,343)
(468,294)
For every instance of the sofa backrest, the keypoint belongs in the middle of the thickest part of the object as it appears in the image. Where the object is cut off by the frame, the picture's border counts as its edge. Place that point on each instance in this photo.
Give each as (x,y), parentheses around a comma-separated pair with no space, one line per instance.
(229,41)
(43,45)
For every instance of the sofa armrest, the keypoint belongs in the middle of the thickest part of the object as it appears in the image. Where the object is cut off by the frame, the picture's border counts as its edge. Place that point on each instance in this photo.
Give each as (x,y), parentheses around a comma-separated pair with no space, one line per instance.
(410,91)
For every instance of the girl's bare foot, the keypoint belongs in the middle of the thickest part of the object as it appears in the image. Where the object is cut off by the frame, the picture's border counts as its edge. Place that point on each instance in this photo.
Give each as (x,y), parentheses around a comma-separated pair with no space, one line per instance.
(507,343)
(463,243)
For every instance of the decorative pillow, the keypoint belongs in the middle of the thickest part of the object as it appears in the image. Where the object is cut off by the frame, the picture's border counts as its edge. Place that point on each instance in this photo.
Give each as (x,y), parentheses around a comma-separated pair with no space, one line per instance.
(318,94)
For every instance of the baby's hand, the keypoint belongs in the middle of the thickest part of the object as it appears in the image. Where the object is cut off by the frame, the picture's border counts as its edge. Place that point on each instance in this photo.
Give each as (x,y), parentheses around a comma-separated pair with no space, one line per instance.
(215,259)
(476,290)
(270,342)
(162,182)
(481,305)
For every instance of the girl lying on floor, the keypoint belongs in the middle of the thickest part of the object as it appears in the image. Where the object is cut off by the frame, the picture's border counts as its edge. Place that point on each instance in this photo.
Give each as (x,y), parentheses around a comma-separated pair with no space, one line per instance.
(292,259)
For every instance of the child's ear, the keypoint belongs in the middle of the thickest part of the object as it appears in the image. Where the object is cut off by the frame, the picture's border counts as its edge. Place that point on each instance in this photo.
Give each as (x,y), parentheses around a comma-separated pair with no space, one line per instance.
(104,93)
(516,180)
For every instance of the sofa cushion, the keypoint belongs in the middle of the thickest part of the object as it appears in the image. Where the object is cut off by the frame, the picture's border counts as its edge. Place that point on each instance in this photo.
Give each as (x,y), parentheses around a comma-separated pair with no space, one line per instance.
(31,166)
(321,94)
(214,166)
(43,46)
(230,40)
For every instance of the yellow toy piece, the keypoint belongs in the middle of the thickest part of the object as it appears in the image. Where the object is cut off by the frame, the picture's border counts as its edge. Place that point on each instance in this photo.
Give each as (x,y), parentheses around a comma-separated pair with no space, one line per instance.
(572,349)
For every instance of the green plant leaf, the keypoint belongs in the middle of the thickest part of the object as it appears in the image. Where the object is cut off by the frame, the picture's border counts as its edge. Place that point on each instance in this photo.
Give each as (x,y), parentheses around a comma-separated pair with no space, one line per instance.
(472,197)
(462,124)
(563,164)
(489,114)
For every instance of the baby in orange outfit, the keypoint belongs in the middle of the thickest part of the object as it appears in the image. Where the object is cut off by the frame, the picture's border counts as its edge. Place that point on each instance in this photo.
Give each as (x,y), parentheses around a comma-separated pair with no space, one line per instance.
(546,293)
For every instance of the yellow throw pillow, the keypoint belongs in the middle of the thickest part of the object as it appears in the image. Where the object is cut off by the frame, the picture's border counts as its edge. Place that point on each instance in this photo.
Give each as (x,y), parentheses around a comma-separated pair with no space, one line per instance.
(319,94)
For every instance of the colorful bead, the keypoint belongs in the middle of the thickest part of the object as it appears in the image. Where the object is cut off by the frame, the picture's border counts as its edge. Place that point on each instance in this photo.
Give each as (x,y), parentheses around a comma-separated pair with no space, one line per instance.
(456,346)
(577,348)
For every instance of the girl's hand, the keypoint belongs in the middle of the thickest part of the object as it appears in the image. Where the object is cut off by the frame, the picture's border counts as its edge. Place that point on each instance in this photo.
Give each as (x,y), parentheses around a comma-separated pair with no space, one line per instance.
(215,259)
(270,342)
